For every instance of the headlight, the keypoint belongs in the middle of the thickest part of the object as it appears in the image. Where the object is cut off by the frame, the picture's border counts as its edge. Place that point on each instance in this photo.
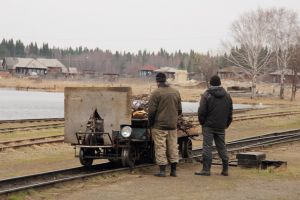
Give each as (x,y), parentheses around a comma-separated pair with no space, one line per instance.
(126,131)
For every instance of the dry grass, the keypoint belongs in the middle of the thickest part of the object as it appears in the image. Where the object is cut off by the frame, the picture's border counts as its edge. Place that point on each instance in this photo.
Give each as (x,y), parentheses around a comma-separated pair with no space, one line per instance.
(144,87)
(28,160)
(19,135)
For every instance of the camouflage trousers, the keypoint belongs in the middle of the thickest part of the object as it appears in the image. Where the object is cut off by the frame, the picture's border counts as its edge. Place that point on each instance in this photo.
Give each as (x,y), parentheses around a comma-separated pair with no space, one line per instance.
(165,146)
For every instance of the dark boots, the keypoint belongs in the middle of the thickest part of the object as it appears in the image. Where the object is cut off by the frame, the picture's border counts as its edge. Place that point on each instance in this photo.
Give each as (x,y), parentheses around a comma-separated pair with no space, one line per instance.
(206,168)
(173,169)
(225,168)
(162,171)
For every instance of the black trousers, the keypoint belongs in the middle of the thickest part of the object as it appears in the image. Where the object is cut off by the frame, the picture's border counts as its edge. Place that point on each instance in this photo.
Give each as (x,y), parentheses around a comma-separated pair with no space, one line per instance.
(218,136)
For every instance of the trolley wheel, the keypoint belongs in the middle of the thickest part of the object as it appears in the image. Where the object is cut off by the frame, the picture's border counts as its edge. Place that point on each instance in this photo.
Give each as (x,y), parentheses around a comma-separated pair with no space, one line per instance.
(128,156)
(187,148)
(87,162)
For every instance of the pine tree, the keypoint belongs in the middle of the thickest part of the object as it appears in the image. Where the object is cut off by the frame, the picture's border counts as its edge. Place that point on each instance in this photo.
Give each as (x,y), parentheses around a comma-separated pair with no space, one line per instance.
(19,49)
(11,48)
(181,65)
(3,49)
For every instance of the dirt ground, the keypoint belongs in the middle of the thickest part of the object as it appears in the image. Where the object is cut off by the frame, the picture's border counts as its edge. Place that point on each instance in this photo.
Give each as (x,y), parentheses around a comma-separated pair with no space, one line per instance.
(247,184)
(253,184)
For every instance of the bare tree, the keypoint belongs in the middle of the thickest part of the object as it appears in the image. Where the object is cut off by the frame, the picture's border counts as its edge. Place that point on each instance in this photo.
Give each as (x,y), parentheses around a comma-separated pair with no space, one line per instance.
(283,32)
(295,67)
(249,48)
(208,67)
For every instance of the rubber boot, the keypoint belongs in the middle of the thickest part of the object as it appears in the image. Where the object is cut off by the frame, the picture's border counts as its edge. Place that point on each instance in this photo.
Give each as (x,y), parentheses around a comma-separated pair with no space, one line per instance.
(225,168)
(162,171)
(206,168)
(173,170)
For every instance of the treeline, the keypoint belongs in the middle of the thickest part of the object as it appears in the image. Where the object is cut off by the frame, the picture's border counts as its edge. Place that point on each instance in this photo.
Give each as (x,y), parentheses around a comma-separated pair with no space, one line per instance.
(106,61)
(9,48)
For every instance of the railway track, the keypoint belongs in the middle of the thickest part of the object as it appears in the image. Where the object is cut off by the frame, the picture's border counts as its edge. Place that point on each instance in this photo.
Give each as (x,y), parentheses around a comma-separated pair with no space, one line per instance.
(48,178)
(258,141)
(32,127)
(44,140)
(265,115)
(193,118)
(31,141)
(58,176)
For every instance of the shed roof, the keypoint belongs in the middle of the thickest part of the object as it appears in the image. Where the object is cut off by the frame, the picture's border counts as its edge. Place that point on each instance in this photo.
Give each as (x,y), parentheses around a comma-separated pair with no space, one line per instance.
(166,70)
(29,63)
(51,62)
(149,68)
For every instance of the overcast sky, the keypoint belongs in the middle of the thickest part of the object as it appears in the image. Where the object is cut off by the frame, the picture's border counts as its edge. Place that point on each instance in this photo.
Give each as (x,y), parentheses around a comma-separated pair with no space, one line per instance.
(127,25)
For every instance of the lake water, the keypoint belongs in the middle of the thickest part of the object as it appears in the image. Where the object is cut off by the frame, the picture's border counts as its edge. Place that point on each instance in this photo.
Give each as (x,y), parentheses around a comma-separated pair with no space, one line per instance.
(33,105)
(30,104)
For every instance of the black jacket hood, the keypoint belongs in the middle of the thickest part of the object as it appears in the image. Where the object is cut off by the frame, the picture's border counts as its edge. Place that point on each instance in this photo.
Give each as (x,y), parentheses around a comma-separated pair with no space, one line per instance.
(217,91)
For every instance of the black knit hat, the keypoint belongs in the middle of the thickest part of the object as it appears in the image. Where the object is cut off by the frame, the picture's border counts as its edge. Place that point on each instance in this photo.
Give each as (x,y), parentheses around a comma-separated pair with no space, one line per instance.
(161,77)
(215,81)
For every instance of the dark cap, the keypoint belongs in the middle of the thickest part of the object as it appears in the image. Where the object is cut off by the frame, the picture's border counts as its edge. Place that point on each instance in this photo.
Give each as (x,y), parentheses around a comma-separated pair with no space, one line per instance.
(215,81)
(161,77)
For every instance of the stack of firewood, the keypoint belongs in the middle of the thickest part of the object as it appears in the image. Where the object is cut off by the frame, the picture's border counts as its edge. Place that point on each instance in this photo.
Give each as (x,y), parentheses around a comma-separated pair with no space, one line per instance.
(140,111)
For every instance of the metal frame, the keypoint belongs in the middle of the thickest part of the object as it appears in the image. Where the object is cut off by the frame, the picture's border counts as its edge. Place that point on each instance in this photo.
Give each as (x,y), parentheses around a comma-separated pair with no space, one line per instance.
(93,133)
(117,142)
(102,148)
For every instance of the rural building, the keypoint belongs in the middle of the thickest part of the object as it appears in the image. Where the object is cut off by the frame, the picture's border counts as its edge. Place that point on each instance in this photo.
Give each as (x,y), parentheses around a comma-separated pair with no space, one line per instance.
(111,77)
(2,65)
(181,76)
(72,71)
(89,73)
(28,66)
(288,75)
(23,66)
(169,71)
(54,66)
(8,63)
(40,66)
(3,73)
(233,72)
(147,71)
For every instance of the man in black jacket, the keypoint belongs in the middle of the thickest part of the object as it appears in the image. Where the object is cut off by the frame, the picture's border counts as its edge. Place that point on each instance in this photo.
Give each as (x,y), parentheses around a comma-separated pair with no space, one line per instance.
(215,115)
